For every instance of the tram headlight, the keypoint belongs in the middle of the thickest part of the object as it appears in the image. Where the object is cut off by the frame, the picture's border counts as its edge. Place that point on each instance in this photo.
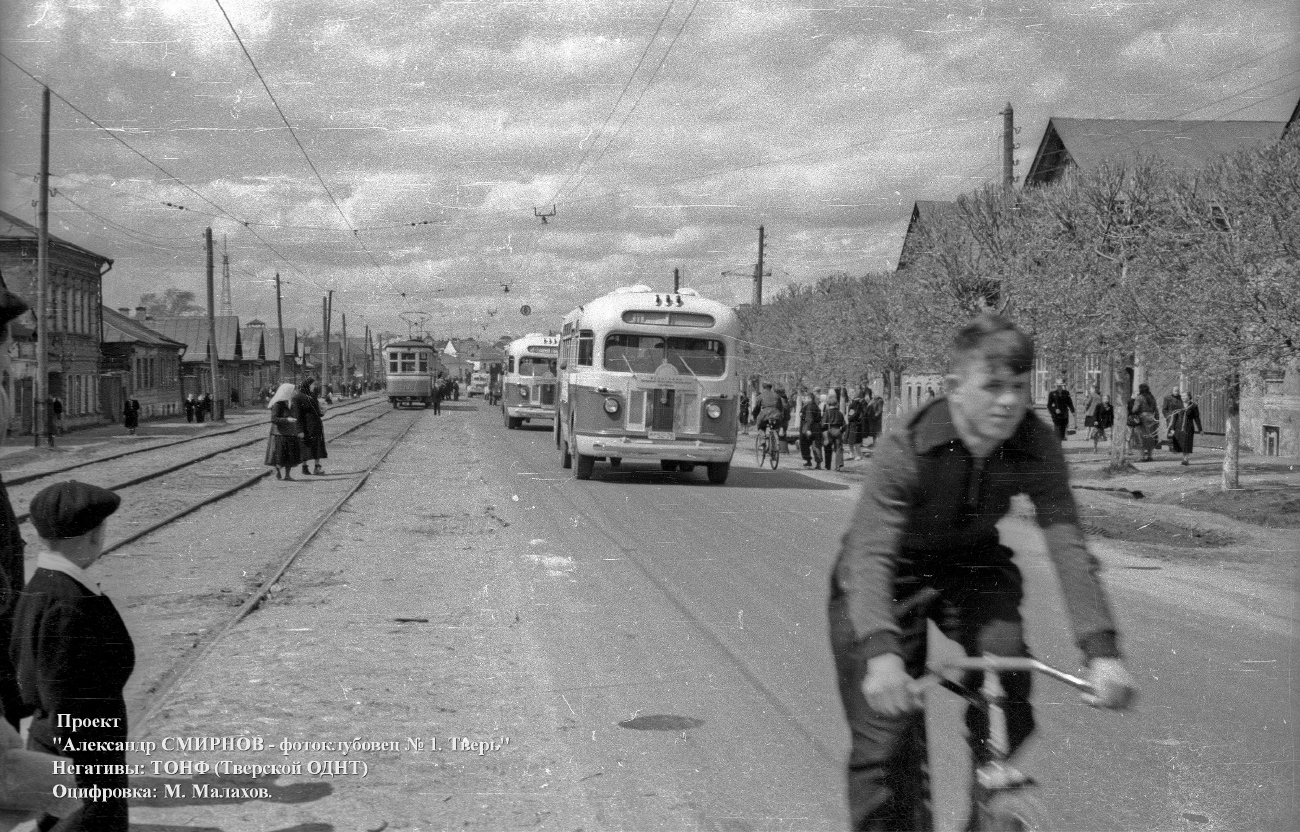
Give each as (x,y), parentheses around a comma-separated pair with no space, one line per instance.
(713,410)
(611,405)
(523,392)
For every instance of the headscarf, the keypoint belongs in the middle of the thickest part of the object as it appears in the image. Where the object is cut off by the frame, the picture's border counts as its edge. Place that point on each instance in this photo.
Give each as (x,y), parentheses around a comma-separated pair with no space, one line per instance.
(305,385)
(282,394)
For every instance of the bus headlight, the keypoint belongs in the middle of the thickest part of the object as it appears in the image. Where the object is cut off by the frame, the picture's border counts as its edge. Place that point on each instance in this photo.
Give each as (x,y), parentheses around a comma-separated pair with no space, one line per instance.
(713,409)
(611,405)
(523,392)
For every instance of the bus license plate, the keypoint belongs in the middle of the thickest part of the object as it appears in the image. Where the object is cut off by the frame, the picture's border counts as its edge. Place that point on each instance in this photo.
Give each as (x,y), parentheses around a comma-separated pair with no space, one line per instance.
(661,435)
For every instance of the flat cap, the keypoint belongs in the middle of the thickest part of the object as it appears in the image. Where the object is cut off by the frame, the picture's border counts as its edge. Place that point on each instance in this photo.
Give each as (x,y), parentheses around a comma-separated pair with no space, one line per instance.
(70,509)
(11,306)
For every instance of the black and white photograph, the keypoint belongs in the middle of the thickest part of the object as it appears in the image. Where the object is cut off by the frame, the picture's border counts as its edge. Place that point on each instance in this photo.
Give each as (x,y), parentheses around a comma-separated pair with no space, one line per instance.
(585,415)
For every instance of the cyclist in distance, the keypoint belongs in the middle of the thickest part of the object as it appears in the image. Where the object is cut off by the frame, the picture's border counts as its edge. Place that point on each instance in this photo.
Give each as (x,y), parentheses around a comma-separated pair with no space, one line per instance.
(925,527)
(769,409)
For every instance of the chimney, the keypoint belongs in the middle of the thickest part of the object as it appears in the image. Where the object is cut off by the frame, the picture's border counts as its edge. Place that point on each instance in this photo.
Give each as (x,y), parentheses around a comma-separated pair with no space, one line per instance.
(139,313)
(125,310)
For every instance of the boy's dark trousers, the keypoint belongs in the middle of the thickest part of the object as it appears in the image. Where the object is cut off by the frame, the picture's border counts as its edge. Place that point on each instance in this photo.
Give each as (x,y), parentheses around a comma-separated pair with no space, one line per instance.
(979,607)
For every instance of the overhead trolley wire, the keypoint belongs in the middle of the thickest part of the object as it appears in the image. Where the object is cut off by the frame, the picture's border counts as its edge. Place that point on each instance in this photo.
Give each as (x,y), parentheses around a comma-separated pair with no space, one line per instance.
(614,108)
(653,75)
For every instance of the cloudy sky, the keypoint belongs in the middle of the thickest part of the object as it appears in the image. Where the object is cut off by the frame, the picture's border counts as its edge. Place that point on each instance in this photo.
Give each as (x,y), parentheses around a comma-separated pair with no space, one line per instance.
(426,135)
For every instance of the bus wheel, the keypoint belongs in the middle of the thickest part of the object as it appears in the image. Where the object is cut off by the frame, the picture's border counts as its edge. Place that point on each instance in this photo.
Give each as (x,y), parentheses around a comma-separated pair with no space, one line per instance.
(513,423)
(718,472)
(615,461)
(566,458)
(584,466)
(667,465)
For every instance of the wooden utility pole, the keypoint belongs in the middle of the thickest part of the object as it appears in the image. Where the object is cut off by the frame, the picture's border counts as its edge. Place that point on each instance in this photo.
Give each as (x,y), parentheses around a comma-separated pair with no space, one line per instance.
(366,375)
(677,280)
(344,375)
(1008,147)
(279,322)
(218,404)
(40,390)
(328,302)
(758,272)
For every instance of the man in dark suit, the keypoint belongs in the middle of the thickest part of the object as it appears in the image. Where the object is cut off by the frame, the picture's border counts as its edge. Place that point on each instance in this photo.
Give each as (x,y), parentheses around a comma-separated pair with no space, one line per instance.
(1059,407)
(73,653)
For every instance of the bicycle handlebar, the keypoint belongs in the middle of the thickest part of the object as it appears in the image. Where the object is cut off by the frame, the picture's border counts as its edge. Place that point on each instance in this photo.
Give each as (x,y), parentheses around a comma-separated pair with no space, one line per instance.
(999,664)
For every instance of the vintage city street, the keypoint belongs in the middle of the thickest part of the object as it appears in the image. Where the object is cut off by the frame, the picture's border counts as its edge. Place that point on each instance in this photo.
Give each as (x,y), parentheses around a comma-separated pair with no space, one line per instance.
(648,651)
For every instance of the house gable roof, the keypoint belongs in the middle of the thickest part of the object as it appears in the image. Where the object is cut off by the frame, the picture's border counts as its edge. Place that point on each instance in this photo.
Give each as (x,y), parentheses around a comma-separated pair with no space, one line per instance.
(923,210)
(119,328)
(193,332)
(12,227)
(1089,143)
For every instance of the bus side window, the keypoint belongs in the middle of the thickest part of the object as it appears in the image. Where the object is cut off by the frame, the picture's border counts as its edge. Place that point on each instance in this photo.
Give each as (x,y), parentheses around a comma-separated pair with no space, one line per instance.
(565,345)
(586,347)
(510,364)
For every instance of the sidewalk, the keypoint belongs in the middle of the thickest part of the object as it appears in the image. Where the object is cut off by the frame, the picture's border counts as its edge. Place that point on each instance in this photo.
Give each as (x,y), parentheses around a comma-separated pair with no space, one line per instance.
(20,450)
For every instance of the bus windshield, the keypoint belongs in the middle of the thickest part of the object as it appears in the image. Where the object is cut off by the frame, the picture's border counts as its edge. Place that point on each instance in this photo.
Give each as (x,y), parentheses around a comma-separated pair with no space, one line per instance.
(530,365)
(705,357)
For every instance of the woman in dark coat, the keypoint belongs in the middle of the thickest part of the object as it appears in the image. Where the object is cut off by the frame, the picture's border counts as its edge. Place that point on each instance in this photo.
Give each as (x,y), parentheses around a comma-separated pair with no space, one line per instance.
(313,427)
(1184,424)
(131,416)
(284,446)
(1148,428)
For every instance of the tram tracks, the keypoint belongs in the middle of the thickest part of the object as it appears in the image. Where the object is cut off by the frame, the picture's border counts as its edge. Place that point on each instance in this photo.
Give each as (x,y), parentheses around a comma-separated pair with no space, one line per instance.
(207,639)
(19,494)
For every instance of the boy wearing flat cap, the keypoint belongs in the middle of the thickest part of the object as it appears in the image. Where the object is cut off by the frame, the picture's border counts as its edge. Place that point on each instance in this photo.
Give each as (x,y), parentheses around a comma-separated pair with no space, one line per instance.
(72,651)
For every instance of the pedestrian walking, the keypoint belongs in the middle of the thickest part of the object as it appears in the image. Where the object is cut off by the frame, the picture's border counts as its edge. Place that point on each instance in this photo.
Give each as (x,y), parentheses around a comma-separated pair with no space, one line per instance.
(1144,418)
(926,527)
(875,418)
(313,426)
(131,416)
(810,429)
(284,444)
(744,413)
(1169,405)
(207,405)
(74,654)
(1060,407)
(836,425)
(11,542)
(56,407)
(192,406)
(856,414)
(1103,421)
(1184,425)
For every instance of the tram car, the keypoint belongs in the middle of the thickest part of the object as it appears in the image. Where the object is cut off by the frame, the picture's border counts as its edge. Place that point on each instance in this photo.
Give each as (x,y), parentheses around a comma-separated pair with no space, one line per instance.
(528,383)
(412,368)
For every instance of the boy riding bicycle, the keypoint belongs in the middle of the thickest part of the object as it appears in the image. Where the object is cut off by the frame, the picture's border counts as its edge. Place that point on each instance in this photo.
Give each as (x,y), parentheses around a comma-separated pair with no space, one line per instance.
(925,524)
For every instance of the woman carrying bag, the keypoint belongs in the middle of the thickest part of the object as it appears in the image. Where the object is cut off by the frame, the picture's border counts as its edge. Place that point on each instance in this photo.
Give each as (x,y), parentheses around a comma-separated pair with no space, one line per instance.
(284,445)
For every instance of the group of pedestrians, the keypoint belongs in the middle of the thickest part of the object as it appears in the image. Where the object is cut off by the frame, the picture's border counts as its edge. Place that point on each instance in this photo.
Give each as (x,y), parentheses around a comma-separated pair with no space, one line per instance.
(828,431)
(297,430)
(198,408)
(1180,413)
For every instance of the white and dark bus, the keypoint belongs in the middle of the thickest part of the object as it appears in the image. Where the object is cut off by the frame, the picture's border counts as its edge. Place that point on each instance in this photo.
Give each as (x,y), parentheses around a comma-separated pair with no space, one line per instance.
(528,379)
(648,376)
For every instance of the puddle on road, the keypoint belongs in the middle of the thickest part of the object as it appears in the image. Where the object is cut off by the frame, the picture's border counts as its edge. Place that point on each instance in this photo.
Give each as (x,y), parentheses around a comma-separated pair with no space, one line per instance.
(661,722)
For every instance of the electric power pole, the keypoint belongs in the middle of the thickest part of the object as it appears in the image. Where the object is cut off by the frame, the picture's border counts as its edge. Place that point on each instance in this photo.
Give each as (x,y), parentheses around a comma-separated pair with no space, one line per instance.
(328,303)
(1008,147)
(219,404)
(40,390)
(345,374)
(677,280)
(226,306)
(758,272)
(279,322)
